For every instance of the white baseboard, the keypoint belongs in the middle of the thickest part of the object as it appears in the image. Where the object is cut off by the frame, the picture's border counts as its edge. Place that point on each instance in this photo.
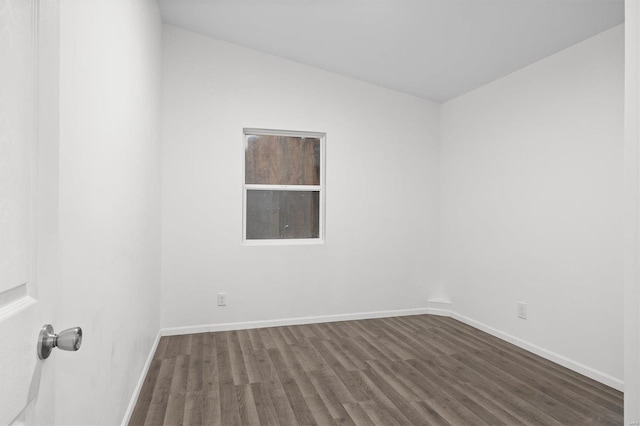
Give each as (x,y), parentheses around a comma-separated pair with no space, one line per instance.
(434,307)
(544,353)
(138,388)
(444,308)
(206,328)
(440,307)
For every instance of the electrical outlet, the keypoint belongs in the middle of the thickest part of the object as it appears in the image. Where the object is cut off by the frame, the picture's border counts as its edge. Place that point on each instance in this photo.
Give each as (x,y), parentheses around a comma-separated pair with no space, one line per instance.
(222,299)
(522,310)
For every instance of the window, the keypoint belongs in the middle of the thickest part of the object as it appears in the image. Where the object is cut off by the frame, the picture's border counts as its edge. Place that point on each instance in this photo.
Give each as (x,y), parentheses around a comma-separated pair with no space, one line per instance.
(283,187)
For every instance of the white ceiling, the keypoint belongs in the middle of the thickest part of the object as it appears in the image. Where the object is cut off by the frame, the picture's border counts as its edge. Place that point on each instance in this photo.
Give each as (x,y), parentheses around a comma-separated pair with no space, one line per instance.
(434,49)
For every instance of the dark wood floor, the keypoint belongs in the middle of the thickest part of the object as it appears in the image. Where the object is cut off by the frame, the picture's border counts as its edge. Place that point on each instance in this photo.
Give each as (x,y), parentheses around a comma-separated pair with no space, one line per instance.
(406,370)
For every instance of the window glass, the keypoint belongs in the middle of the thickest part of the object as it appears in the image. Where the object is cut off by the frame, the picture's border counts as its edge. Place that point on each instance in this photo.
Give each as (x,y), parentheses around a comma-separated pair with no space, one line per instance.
(283,187)
(282,160)
(282,214)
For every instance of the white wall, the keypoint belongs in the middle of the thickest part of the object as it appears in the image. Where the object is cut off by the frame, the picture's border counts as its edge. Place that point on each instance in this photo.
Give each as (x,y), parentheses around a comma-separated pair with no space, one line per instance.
(381,250)
(109,200)
(532,172)
(632,215)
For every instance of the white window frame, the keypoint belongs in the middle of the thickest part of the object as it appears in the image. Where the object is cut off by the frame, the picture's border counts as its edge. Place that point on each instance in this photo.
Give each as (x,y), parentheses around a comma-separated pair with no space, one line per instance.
(320,188)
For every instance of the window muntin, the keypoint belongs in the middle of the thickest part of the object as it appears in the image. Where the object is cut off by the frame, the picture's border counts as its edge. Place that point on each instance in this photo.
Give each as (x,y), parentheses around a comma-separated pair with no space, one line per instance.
(283,187)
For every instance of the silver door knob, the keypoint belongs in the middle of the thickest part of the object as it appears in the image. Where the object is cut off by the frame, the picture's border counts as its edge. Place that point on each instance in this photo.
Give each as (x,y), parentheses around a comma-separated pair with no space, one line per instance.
(67,340)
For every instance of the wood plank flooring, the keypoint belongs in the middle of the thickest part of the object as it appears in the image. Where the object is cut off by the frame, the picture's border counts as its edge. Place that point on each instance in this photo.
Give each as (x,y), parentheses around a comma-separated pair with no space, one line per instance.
(413,370)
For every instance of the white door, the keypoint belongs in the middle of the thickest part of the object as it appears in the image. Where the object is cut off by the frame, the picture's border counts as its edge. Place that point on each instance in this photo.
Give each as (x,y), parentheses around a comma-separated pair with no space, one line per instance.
(28,205)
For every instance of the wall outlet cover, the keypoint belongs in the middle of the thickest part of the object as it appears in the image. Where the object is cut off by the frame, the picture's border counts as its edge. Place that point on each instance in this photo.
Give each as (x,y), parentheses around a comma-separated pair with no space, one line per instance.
(222,299)
(522,310)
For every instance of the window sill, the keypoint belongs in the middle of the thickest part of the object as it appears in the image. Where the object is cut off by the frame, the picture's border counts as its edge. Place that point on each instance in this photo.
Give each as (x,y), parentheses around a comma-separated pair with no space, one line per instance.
(291,242)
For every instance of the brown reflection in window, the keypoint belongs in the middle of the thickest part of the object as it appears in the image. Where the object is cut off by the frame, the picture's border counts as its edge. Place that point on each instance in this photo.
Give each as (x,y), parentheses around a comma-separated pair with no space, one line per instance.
(282,160)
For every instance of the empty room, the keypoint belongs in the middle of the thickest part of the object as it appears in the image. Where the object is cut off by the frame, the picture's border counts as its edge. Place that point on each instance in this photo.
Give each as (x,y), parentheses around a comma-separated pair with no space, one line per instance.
(319,212)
